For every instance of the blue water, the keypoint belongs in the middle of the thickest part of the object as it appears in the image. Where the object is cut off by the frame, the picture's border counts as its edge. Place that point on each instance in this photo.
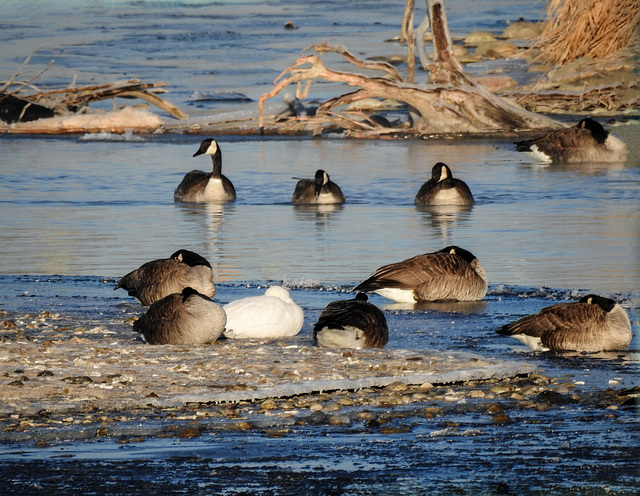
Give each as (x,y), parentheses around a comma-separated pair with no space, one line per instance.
(77,212)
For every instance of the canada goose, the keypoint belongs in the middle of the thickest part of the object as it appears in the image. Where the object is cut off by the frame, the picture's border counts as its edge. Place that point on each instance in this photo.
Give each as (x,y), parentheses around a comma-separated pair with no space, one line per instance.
(319,190)
(451,274)
(200,186)
(594,323)
(443,189)
(269,316)
(588,141)
(154,280)
(187,317)
(354,323)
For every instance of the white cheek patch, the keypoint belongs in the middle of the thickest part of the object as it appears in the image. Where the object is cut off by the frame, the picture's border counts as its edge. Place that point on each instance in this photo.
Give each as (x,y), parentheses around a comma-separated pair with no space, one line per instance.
(213,148)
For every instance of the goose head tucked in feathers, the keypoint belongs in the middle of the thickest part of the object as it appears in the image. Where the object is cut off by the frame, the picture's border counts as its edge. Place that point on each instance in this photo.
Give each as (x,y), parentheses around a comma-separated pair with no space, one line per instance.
(353,323)
(187,317)
(450,274)
(587,141)
(444,189)
(154,280)
(594,323)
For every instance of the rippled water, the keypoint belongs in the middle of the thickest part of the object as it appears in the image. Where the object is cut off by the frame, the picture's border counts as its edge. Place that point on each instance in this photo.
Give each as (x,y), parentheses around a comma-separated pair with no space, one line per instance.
(78,212)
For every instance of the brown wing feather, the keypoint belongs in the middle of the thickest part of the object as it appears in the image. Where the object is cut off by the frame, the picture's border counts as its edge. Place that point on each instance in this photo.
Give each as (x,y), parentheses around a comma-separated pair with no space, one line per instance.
(160,319)
(194,182)
(360,314)
(145,283)
(406,274)
(579,325)
(563,143)
(560,326)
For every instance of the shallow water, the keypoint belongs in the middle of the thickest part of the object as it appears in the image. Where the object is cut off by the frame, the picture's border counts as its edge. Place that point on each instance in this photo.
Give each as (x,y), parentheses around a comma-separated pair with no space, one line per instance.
(78,212)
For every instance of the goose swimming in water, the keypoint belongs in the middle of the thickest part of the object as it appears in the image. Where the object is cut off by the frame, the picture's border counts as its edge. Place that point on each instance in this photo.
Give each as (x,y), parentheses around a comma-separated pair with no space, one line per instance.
(187,317)
(319,190)
(154,280)
(594,323)
(443,189)
(588,141)
(354,323)
(269,316)
(451,274)
(200,186)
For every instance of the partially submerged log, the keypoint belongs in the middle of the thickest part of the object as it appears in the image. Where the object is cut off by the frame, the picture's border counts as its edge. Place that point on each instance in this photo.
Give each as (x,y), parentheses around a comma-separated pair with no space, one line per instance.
(449,104)
(116,122)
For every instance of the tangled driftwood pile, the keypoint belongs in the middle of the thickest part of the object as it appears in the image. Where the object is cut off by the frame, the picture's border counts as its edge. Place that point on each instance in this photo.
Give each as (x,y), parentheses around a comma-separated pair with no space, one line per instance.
(449,104)
(23,108)
(586,55)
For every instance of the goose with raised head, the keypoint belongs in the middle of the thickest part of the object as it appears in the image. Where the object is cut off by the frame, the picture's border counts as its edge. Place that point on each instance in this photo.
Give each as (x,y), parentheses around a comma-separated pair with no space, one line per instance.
(353,323)
(154,280)
(187,317)
(200,186)
(451,274)
(444,189)
(269,316)
(594,323)
(320,190)
(587,141)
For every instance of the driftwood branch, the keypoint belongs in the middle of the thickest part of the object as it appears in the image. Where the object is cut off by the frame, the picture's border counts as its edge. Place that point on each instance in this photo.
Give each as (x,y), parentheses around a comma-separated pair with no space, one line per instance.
(391,71)
(450,104)
(75,98)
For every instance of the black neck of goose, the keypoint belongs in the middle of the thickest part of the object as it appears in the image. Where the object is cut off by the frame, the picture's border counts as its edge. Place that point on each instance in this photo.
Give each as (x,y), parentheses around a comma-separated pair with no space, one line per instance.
(448,182)
(216,158)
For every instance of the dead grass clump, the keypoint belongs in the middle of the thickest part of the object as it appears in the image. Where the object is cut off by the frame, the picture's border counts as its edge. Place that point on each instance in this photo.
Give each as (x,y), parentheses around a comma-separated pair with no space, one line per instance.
(589,28)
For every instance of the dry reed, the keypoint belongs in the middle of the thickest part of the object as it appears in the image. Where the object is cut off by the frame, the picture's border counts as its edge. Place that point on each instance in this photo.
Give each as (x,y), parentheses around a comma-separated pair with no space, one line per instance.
(589,28)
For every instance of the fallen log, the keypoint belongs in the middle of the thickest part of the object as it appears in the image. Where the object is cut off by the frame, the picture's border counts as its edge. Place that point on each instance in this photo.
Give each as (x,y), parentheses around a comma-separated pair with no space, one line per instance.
(120,121)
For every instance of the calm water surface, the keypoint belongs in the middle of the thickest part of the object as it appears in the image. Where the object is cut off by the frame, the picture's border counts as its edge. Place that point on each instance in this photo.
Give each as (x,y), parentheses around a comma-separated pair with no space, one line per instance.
(79,206)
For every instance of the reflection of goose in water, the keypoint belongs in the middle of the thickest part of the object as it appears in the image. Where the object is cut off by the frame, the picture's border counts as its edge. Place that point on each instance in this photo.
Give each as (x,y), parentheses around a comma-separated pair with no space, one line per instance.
(443,217)
(320,190)
(443,189)
(187,317)
(154,280)
(200,186)
(207,222)
(270,316)
(209,216)
(459,307)
(594,323)
(353,323)
(587,141)
(449,274)
(320,213)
